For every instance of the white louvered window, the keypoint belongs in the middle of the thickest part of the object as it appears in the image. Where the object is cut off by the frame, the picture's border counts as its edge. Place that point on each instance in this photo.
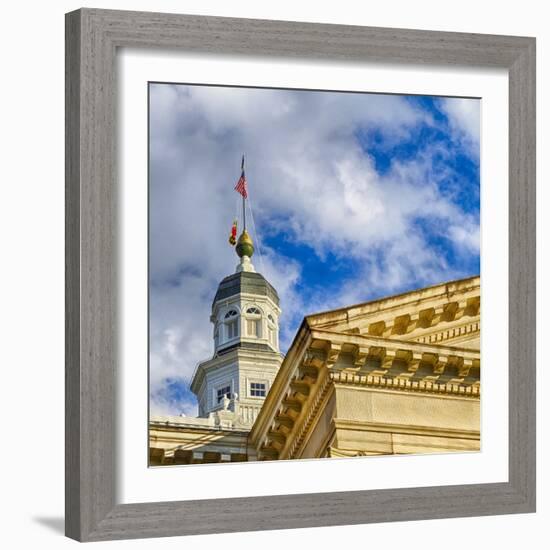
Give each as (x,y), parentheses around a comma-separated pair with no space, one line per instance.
(254,322)
(254,327)
(232,329)
(231,324)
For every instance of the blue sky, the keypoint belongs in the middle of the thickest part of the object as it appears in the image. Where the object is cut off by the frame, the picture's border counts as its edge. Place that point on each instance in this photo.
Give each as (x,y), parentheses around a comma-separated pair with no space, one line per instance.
(355,196)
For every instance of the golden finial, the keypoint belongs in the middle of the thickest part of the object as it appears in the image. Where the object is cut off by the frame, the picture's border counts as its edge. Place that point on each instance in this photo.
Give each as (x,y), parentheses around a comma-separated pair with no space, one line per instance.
(245,246)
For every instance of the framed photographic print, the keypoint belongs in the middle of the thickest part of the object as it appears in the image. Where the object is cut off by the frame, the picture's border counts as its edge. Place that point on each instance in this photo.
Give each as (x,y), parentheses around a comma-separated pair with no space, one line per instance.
(300,275)
(376,195)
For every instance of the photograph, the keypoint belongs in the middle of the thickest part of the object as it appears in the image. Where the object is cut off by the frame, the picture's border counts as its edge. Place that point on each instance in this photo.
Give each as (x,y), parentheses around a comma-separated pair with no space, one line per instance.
(314,274)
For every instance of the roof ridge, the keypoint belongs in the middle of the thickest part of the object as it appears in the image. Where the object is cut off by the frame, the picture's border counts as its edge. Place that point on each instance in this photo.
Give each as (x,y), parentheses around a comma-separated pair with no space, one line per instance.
(391,297)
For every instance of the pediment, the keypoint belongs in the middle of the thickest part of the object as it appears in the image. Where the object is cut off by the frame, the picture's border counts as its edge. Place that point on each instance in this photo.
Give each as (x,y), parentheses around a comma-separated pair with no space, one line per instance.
(448,313)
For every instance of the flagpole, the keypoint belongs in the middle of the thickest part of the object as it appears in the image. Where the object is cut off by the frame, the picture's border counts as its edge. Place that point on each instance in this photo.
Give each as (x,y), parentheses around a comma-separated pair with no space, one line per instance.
(244,204)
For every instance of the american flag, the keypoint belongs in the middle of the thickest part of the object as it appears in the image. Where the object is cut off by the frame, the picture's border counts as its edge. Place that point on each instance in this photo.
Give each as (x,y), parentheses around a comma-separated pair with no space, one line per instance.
(241,184)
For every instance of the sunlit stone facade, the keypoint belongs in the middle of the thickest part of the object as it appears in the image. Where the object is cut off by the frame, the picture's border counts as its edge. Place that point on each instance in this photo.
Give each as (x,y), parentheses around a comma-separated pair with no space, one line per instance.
(393,376)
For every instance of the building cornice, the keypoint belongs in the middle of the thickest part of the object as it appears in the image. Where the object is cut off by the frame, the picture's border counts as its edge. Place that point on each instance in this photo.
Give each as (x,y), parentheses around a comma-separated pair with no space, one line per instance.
(402,384)
(447,290)
(190,425)
(230,357)
(320,359)
(294,356)
(411,315)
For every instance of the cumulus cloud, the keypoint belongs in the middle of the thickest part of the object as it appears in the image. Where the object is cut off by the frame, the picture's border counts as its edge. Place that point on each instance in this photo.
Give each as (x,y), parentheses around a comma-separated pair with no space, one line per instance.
(465,121)
(313,184)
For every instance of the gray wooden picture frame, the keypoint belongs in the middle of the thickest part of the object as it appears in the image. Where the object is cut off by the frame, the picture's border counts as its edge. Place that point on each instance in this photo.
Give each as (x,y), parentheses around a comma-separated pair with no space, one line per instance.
(92,39)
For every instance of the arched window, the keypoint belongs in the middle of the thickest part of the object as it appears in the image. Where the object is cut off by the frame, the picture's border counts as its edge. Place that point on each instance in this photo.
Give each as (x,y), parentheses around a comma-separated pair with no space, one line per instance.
(254,322)
(271,330)
(231,324)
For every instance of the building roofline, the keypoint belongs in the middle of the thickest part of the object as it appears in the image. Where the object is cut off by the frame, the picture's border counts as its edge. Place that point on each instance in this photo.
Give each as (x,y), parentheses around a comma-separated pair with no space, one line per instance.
(393,297)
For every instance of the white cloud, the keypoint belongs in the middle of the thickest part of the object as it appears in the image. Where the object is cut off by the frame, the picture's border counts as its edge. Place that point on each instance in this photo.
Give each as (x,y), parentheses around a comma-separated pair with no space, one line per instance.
(160,405)
(466,236)
(464,118)
(307,175)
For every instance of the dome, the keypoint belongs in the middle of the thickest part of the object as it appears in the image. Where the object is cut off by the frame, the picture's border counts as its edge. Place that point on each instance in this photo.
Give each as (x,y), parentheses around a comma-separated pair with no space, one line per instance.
(246,282)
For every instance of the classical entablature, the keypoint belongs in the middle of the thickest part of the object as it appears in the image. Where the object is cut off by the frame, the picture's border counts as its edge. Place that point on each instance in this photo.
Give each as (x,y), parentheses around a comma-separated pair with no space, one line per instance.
(182,440)
(396,375)
(447,312)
